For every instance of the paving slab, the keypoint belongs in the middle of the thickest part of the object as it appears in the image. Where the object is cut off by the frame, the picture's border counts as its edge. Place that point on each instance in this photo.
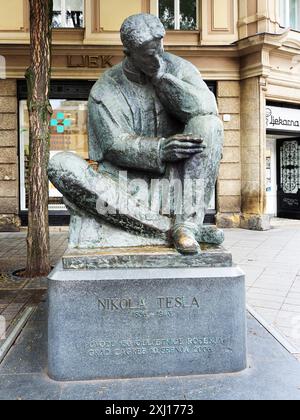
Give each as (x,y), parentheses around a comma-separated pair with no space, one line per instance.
(17,294)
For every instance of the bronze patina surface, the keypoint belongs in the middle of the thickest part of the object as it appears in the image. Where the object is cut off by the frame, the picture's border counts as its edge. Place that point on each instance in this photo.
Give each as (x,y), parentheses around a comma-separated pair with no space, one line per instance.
(147,257)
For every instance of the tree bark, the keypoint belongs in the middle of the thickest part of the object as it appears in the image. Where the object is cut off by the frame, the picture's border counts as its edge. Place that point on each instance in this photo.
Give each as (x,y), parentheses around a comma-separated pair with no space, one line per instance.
(38,83)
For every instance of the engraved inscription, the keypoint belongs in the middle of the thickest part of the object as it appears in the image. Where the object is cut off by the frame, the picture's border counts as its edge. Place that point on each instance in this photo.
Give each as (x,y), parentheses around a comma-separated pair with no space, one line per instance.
(165,302)
(177,302)
(156,346)
(145,309)
(121,304)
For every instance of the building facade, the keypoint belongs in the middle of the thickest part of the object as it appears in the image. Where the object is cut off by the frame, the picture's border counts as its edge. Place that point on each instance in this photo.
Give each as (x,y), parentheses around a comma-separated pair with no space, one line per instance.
(248,51)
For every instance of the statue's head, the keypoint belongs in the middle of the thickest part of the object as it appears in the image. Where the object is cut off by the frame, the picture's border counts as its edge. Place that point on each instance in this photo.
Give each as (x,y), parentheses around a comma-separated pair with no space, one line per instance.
(142,36)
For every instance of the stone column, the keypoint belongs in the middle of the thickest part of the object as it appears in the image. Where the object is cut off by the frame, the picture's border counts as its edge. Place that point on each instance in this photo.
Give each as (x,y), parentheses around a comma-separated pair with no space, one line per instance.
(253,151)
(229,182)
(9,202)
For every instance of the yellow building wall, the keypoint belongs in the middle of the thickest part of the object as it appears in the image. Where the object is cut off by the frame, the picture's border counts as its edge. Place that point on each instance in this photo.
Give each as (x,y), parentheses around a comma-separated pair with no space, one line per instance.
(114,12)
(11,15)
(221,18)
(219,22)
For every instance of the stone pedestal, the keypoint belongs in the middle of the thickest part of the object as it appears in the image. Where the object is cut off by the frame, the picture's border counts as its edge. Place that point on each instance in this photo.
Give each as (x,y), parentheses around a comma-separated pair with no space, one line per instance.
(145,322)
(145,257)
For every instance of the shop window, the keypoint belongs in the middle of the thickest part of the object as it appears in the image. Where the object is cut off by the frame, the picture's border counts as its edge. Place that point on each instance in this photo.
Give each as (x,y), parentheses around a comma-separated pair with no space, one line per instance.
(179,14)
(68,129)
(290,14)
(68,13)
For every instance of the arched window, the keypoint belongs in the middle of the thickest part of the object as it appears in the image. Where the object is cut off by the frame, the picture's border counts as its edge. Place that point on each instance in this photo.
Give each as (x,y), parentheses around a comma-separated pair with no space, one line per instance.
(179,14)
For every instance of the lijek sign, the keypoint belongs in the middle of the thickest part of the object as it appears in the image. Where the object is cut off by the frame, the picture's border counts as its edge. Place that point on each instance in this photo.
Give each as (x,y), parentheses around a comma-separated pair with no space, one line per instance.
(282,119)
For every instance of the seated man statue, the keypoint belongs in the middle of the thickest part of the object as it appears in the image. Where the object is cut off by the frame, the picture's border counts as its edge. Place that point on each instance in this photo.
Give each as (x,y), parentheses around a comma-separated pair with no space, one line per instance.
(150,117)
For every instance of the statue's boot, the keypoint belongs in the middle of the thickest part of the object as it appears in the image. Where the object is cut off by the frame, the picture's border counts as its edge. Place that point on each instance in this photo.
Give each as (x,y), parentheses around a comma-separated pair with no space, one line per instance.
(210,235)
(185,241)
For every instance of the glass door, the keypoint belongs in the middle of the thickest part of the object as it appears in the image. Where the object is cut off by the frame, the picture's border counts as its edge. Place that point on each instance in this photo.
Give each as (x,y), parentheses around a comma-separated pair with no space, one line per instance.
(288,154)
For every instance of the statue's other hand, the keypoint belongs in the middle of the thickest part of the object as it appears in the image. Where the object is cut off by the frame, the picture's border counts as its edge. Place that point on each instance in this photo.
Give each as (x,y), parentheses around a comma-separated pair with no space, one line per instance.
(180,147)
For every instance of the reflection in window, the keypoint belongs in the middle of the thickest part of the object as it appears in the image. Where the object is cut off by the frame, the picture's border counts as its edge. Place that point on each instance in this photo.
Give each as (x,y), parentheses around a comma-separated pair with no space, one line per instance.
(294,14)
(178,14)
(68,14)
(167,13)
(290,13)
(188,15)
(68,128)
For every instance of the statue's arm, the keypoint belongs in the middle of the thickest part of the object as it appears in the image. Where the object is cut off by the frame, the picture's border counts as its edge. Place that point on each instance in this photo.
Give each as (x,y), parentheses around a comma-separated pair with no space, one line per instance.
(111,138)
(187,96)
(131,151)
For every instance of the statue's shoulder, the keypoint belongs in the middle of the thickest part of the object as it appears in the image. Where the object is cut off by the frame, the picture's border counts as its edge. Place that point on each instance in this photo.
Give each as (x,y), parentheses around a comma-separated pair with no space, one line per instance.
(107,84)
(178,66)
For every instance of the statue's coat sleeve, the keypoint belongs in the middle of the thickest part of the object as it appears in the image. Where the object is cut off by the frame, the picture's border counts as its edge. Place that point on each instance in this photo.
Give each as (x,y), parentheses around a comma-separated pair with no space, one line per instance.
(111,131)
(183,92)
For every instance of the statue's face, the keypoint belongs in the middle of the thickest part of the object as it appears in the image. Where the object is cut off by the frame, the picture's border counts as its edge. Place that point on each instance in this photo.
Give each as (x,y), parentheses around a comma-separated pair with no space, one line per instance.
(148,57)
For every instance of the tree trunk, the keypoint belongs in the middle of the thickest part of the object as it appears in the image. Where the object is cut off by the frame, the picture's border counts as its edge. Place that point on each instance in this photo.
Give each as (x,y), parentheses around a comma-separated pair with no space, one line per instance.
(38,83)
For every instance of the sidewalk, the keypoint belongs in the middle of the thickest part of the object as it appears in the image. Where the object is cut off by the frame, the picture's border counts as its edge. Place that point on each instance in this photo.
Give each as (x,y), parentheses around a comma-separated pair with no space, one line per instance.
(20,295)
(270,259)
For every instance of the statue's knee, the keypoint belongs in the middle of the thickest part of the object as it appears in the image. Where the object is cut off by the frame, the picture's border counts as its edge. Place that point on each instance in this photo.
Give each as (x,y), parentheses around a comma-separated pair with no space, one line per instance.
(204,124)
(209,127)
(194,125)
(67,163)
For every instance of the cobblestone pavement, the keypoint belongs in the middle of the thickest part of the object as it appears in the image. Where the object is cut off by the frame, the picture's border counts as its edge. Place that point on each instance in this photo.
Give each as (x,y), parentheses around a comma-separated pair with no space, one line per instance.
(270,259)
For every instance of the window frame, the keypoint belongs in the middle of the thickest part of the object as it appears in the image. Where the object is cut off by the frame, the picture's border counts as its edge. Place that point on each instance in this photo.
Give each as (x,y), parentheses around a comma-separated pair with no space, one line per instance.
(285,20)
(64,17)
(177,16)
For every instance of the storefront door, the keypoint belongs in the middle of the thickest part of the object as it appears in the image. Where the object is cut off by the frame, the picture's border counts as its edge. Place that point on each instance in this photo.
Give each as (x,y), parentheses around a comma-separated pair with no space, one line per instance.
(288,173)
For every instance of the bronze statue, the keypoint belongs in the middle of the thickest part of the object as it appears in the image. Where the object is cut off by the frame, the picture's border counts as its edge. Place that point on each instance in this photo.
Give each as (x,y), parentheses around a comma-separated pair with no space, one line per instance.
(155,118)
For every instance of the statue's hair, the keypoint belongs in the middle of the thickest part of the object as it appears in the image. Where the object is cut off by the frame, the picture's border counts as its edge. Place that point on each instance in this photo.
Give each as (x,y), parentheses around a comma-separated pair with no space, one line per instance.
(139,29)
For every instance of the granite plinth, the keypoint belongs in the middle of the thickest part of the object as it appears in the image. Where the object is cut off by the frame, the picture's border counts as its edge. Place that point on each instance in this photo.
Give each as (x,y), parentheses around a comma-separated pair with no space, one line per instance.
(146,322)
(273,374)
(144,257)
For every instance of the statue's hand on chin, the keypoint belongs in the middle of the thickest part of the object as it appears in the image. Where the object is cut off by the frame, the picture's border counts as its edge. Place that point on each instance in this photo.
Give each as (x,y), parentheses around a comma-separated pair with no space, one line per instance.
(155,69)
